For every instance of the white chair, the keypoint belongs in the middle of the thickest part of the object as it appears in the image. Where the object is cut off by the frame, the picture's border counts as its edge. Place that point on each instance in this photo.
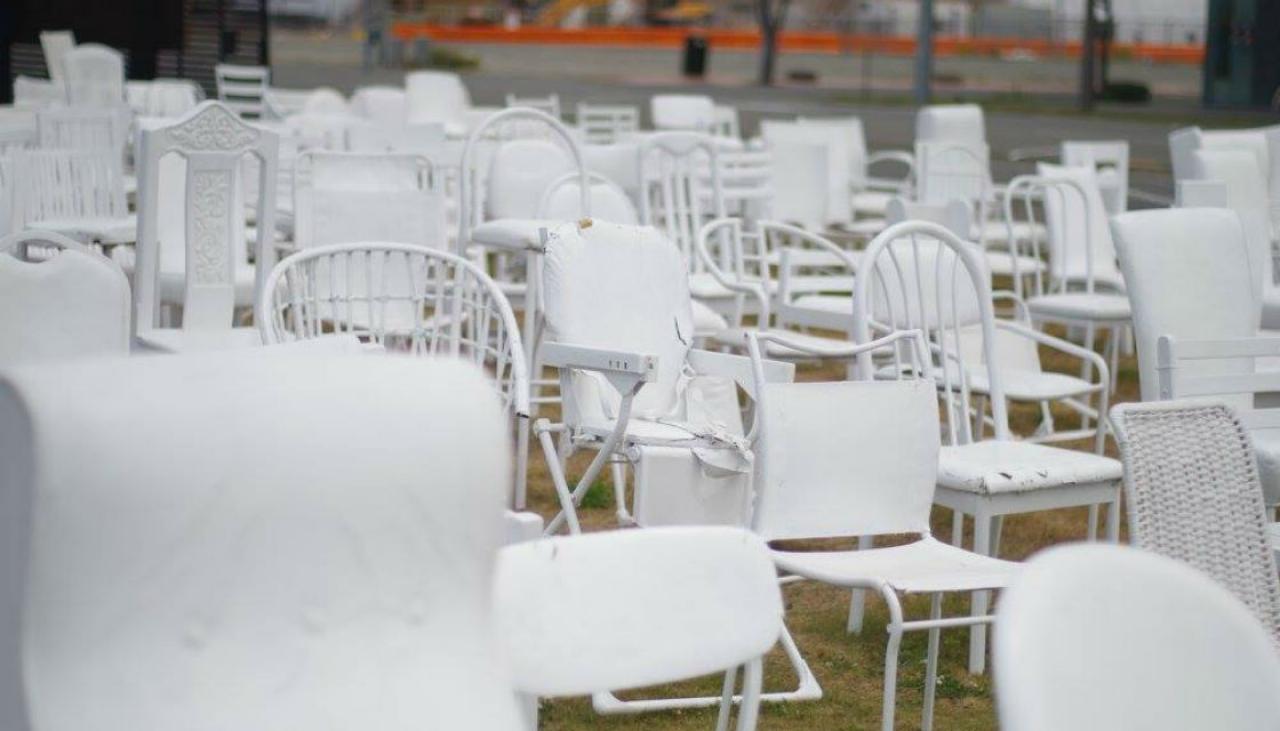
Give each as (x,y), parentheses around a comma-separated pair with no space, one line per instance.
(606,124)
(163,97)
(1263,142)
(725,122)
(213,143)
(839,205)
(243,89)
(251,540)
(920,276)
(78,193)
(59,300)
(562,200)
(55,44)
(386,106)
(344,197)
(549,104)
(94,75)
(1110,160)
(683,112)
(843,459)
(694,601)
(1176,652)
(437,96)
(619,328)
(103,128)
(957,123)
(30,93)
(1245,192)
(325,100)
(871,194)
(403,298)
(799,183)
(1193,494)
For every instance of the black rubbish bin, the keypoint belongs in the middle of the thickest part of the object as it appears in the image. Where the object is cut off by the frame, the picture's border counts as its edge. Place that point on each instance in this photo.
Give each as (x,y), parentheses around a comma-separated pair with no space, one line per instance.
(695,56)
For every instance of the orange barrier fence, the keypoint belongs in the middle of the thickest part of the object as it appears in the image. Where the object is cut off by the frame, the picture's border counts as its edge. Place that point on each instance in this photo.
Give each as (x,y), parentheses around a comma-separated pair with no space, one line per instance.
(811,42)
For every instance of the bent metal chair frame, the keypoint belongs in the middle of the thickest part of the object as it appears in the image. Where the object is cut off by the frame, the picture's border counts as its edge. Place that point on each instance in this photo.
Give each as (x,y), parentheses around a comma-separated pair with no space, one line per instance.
(408,299)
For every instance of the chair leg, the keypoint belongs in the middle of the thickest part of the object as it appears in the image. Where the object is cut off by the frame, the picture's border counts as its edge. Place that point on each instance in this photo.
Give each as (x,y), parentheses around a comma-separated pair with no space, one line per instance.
(957,529)
(891,663)
(1093,523)
(997,530)
(726,699)
(858,597)
(931,665)
(618,475)
(1113,519)
(752,683)
(522,463)
(980,599)
(567,511)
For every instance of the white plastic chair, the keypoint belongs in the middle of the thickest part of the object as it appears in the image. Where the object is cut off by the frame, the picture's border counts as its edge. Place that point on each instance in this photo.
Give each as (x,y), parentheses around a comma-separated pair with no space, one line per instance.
(73,192)
(1110,160)
(840,459)
(920,276)
(243,89)
(55,44)
(94,75)
(59,300)
(1112,638)
(343,197)
(694,601)
(403,298)
(549,104)
(606,124)
(213,142)
(683,112)
(251,540)
(437,96)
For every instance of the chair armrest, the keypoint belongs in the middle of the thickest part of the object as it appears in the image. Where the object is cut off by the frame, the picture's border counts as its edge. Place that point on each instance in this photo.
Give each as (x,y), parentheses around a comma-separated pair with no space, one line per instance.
(845,350)
(1019,305)
(600,360)
(1062,346)
(738,367)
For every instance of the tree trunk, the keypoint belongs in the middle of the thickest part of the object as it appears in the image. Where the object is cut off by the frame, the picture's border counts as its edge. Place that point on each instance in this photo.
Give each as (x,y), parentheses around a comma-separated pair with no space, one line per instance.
(772,18)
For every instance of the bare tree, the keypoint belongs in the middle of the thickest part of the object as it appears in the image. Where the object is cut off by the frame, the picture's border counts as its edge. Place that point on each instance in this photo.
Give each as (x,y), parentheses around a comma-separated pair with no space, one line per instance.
(773,15)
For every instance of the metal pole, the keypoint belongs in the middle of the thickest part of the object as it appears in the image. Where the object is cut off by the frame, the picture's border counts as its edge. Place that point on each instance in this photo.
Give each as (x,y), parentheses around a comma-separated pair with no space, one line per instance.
(1087,56)
(924,52)
(264,45)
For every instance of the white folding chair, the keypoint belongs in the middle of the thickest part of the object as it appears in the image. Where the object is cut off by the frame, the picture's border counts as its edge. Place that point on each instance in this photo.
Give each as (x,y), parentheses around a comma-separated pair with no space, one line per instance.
(920,276)
(243,89)
(59,300)
(843,459)
(1112,638)
(94,75)
(694,601)
(251,540)
(213,143)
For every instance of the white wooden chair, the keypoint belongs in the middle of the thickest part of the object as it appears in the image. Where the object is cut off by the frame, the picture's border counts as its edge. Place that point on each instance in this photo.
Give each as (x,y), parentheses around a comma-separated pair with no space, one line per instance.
(59,300)
(403,298)
(843,459)
(1176,651)
(694,601)
(55,44)
(78,193)
(212,142)
(606,124)
(920,276)
(243,89)
(1110,161)
(94,75)
(251,540)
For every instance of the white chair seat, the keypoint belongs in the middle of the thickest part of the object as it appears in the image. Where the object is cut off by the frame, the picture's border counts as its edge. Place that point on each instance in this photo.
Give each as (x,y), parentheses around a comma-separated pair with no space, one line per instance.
(736,337)
(105,230)
(1081,306)
(999,466)
(707,321)
(174,340)
(173,285)
(705,286)
(1001,264)
(646,431)
(511,233)
(813,283)
(873,202)
(926,565)
(832,303)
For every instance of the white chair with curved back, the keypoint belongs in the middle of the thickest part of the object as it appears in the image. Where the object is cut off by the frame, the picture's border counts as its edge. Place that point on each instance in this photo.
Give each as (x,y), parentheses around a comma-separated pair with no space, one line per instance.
(562,200)
(59,300)
(205,270)
(694,601)
(1176,652)
(204,561)
(94,75)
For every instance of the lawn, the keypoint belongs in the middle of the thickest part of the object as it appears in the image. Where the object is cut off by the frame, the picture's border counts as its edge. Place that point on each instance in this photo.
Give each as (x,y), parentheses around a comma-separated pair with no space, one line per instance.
(849,667)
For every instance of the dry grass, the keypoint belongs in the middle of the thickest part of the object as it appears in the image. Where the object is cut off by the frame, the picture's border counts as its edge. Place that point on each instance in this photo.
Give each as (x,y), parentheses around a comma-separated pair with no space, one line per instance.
(849,667)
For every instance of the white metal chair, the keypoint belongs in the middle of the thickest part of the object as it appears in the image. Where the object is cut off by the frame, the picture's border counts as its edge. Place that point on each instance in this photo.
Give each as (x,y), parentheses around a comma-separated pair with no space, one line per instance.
(406,299)
(1112,638)
(344,197)
(55,44)
(73,192)
(437,96)
(619,328)
(694,601)
(1110,160)
(59,300)
(251,540)
(213,142)
(1193,494)
(843,459)
(683,112)
(549,104)
(606,124)
(243,89)
(920,276)
(94,75)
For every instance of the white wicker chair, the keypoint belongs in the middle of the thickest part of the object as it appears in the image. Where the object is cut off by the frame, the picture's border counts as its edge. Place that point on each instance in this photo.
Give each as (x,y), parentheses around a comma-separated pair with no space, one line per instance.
(1193,493)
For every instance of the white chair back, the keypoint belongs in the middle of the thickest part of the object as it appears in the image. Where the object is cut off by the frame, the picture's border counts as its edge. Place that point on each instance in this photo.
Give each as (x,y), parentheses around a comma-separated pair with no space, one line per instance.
(1262,142)
(344,197)
(94,75)
(949,170)
(855,144)
(1081,249)
(325,100)
(436,96)
(1110,159)
(243,89)
(257,590)
(562,200)
(607,124)
(64,184)
(680,172)
(1177,652)
(84,128)
(683,112)
(55,44)
(836,187)
(955,123)
(59,300)
(1246,194)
